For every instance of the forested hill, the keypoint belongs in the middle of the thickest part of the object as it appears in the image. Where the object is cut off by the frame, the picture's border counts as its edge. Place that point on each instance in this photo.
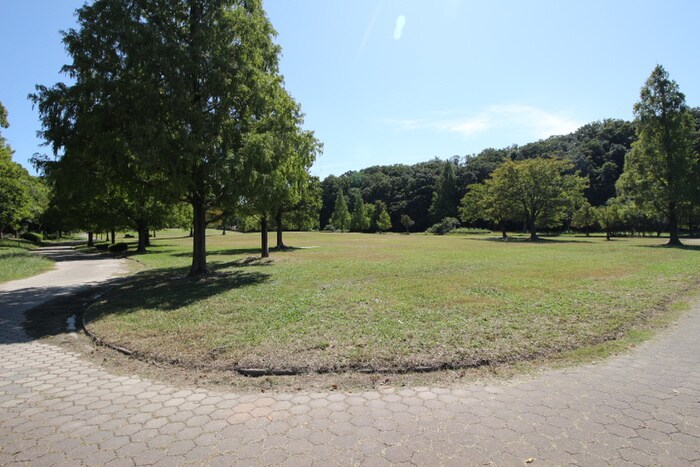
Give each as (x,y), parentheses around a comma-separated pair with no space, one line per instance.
(597,150)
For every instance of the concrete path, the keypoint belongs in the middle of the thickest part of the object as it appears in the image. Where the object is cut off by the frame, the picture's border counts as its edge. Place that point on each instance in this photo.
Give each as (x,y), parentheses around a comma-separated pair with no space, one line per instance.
(55,409)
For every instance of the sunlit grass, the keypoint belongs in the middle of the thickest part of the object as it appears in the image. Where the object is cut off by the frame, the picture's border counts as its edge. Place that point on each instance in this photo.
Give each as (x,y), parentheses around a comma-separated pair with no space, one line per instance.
(16,261)
(391,301)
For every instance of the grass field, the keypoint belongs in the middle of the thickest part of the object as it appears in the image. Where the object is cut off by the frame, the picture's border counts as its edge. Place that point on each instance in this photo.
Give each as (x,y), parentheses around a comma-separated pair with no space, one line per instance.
(390,302)
(16,261)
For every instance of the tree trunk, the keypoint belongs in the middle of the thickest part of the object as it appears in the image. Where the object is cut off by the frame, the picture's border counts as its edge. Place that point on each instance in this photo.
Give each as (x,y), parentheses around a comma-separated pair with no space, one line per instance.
(533,230)
(191,233)
(91,239)
(2,234)
(504,235)
(154,234)
(674,240)
(147,234)
(265,247)
(199,251)
(142,232)
(607,234)
(278,220)
(114,235)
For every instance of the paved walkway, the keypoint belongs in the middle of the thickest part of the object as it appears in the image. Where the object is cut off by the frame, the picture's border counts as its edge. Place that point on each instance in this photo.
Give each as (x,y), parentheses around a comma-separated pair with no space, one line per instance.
(55,409)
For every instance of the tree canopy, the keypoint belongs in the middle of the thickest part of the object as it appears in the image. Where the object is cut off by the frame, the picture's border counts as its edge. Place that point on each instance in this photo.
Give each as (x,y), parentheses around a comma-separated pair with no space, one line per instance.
(540,191)
(661,172)
(179,96)
(21,196)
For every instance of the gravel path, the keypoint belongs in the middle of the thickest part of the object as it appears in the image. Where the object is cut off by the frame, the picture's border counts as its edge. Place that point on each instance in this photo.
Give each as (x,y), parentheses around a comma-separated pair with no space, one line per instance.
(642,408)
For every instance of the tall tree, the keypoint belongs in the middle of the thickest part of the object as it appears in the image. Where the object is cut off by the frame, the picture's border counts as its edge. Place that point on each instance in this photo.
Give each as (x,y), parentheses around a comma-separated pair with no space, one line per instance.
(383,220)
(661,171)
(358,217)
(199,74)
(278,156)
(446,196)
(341,216)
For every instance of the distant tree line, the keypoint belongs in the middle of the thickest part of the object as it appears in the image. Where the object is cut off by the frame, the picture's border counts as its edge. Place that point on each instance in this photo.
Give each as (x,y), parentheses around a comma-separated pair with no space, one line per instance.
(429,191)
(614,176)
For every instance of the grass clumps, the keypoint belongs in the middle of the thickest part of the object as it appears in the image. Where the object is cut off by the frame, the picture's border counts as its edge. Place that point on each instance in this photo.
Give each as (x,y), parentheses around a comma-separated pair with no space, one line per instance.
(17,261)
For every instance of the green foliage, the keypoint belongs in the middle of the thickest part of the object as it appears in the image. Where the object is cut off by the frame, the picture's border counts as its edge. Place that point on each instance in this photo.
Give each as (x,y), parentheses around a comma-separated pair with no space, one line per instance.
(118,247)
(407,222)
(32,237)
(358,219)
(585,217)
(211,104)
(383,220)
(446,195)
(661,172)
(491,201)
(341,216)
(469,231)
(20,200)
(445,226)
(540,191)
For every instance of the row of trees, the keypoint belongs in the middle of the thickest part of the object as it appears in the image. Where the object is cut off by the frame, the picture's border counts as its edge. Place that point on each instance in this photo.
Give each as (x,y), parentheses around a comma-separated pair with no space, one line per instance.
(23,198)
(429,191)
(177,110)
(612,175)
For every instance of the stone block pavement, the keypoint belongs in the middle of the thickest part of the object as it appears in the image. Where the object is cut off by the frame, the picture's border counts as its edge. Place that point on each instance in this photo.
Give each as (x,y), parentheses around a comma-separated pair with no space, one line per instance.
(642,408)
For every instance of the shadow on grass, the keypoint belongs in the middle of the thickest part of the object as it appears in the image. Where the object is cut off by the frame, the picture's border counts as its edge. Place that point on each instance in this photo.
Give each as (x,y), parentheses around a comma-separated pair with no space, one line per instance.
(672,247)
(239,251)
(229,252)
(526,240)
(158,290)
(170,289)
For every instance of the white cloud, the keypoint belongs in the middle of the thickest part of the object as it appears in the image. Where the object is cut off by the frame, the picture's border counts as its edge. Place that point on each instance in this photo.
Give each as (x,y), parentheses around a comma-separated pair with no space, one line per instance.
(400,24)
(539,123)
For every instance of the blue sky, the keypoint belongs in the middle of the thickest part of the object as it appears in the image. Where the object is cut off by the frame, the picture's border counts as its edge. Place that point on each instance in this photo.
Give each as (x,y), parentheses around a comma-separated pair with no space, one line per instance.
(402,81)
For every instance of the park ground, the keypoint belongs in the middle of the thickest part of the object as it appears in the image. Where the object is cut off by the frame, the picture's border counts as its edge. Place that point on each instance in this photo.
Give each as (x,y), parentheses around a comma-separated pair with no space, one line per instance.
(387,304)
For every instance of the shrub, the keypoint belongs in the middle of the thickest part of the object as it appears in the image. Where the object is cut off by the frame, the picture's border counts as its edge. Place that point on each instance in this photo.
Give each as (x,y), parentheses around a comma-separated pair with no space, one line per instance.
(32,237)
(329,228)
(446,225)
(118,247)
(102,246)
(471,231)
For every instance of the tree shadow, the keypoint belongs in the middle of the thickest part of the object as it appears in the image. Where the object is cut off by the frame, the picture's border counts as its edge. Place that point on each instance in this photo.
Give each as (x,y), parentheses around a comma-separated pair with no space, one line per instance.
(159,290)
(527,240)
(170,289)
(229,252)
(672,247)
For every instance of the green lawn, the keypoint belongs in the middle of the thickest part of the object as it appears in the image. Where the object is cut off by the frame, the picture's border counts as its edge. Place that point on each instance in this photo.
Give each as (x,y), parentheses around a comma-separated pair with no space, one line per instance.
(391,301)
(16,261)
